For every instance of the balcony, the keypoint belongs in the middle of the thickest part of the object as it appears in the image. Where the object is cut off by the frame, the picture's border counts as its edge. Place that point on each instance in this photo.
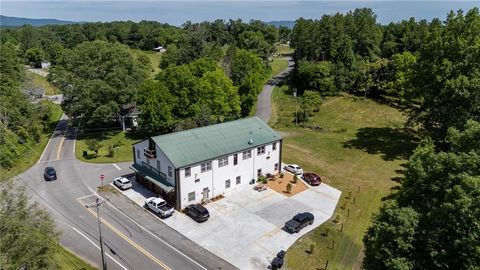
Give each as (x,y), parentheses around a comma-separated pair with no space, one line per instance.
(149,153)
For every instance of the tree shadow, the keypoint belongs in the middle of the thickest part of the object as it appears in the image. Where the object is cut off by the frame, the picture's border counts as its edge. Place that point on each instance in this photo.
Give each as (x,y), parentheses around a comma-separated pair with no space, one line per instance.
(391,143)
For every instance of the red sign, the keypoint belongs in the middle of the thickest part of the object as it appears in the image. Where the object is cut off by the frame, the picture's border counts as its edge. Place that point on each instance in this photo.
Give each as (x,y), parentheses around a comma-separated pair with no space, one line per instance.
(102,176)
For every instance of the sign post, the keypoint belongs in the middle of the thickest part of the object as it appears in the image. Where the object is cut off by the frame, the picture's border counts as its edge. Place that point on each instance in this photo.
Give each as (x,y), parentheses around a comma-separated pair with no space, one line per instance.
(101,178)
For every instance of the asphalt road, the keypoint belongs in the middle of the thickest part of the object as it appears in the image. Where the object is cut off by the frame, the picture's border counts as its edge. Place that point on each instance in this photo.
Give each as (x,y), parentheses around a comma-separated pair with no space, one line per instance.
(134,239)
(264,103)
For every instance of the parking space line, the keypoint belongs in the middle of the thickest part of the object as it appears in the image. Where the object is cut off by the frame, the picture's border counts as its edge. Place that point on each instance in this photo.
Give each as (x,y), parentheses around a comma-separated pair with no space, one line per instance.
(128,240)
(115,165)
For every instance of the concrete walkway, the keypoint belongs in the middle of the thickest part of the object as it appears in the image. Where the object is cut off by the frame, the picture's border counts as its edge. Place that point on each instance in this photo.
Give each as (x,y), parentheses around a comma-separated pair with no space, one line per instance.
(264,103)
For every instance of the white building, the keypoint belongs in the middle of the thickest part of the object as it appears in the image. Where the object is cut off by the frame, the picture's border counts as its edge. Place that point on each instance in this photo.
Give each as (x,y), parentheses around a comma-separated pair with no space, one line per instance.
(199,164)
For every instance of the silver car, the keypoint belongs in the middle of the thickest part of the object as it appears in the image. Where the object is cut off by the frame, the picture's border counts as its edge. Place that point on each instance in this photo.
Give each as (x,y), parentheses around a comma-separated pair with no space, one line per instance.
(294,168)
(122,183)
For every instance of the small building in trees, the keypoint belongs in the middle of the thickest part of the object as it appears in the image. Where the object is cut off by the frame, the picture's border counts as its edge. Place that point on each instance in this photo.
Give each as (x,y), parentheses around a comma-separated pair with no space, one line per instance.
(199,164)
(128,116)
(160,49)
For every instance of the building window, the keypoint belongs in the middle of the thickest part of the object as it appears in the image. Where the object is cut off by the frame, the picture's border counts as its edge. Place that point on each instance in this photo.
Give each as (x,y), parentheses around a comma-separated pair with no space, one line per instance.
(169,171)
(274,146)
(207,166)
(223,161)
(259,172)
(187,172)
(138,153)
(197,180)
(239,180)
(227,183)
(247,154)
(191,196)
(276,167)
(261,150)
(235,159)
(158,165)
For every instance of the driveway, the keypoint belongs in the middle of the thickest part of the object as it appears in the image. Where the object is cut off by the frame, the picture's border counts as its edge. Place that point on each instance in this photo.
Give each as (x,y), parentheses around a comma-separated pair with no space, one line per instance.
(264,103)
(245,227)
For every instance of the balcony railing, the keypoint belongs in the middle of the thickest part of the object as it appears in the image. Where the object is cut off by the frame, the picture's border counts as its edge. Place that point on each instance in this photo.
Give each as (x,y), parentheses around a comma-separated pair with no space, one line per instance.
(149,153)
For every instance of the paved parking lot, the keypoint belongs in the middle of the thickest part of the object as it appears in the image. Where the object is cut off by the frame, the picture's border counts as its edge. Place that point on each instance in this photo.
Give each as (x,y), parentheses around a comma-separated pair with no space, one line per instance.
(245,228)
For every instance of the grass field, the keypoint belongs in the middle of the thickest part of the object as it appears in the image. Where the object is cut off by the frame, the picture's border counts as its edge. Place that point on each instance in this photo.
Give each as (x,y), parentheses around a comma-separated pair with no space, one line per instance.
(66,260)
(154,57)
(40,81)
(284,49)
(33,151)
(359,146)
(106,139)
(277,65)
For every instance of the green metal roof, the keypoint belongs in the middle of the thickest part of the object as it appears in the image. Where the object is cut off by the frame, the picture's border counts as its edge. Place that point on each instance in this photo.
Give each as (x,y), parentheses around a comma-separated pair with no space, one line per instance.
(195,145)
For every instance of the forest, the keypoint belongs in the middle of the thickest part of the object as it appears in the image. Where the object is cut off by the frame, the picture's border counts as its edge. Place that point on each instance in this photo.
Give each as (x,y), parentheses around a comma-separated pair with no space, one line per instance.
(213,71)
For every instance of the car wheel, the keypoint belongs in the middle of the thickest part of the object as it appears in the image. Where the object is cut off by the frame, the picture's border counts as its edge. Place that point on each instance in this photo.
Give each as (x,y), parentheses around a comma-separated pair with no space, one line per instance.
(311,222)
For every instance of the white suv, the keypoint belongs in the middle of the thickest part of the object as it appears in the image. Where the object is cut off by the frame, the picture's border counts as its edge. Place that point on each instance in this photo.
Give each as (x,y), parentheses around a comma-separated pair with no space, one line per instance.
(122,183)
(294,168)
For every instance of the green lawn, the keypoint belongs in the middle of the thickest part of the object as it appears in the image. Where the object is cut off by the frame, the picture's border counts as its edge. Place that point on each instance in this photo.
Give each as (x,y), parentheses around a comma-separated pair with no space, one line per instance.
(66,260)
(106,139)
(154,57)
(277,66)
(33,151)
(284,49)
(40,81)
(359,146)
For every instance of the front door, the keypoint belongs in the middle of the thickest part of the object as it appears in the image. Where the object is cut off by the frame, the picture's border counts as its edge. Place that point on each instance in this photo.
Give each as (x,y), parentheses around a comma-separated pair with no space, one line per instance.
(205,193)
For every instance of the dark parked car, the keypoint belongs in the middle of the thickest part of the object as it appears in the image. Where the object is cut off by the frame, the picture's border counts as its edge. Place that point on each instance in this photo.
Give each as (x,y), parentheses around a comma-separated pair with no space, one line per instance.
(312,178)
(197,212)
(299,221)
(50,174)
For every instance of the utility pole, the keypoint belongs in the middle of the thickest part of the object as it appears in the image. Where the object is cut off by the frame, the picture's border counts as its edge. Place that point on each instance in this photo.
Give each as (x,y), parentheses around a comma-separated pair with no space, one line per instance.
(296,116)
(97,205)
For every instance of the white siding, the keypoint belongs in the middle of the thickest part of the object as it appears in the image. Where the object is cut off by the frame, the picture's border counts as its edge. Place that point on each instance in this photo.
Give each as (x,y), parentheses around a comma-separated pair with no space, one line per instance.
(215,179)
(164,161)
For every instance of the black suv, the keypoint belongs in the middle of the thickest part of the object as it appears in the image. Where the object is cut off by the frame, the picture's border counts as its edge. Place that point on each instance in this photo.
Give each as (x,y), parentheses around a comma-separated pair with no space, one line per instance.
(197,212)
(50,174)
(299,221)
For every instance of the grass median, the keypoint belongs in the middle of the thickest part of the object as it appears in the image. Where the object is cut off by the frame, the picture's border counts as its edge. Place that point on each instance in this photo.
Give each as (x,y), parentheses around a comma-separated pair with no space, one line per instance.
(359,146)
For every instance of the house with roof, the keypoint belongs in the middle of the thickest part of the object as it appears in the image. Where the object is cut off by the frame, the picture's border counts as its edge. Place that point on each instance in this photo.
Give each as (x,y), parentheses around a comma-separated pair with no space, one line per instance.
(196,165)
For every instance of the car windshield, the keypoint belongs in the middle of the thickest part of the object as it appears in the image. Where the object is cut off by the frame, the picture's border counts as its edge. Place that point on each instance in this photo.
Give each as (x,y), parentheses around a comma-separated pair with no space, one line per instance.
(299,217)
(50,171)
(126,181)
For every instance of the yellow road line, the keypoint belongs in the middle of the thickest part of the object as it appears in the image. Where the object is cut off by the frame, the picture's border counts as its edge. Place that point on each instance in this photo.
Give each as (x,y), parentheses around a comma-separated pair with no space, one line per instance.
(60,147)
(135,245)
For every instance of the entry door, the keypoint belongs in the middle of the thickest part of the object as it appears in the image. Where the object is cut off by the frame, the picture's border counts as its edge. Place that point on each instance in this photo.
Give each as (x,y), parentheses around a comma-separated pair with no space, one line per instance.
(205,193)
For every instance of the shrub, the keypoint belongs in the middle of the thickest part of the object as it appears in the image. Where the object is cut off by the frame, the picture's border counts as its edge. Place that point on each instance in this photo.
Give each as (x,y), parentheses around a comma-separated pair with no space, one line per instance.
(282,175)
(289,188)
(262,179)
(295,178)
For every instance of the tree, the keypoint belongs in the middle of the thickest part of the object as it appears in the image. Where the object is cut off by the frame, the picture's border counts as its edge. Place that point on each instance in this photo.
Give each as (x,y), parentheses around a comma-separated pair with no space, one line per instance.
(93,145)
(28,237)
(434,220)
(310,103)
(96,78)
(155,103)
(248,73)
(35,56)
(447,74)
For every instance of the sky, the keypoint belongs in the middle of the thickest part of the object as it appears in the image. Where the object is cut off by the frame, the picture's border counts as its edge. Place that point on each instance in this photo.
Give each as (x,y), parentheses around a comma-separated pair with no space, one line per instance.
(180,11)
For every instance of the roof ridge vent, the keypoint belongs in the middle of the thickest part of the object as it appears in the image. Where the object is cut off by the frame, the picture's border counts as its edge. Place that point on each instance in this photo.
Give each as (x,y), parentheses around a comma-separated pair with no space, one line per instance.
(250,141)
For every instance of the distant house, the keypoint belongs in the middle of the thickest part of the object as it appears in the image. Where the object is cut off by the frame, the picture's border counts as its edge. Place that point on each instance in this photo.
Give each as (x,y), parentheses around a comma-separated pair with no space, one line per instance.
(128,116)
(35,93)
(160,49)
(45,64)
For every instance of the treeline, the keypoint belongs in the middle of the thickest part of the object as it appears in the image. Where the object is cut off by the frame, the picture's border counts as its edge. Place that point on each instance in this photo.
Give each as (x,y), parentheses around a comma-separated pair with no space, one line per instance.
(430,68)
(21,122)
(184,44)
